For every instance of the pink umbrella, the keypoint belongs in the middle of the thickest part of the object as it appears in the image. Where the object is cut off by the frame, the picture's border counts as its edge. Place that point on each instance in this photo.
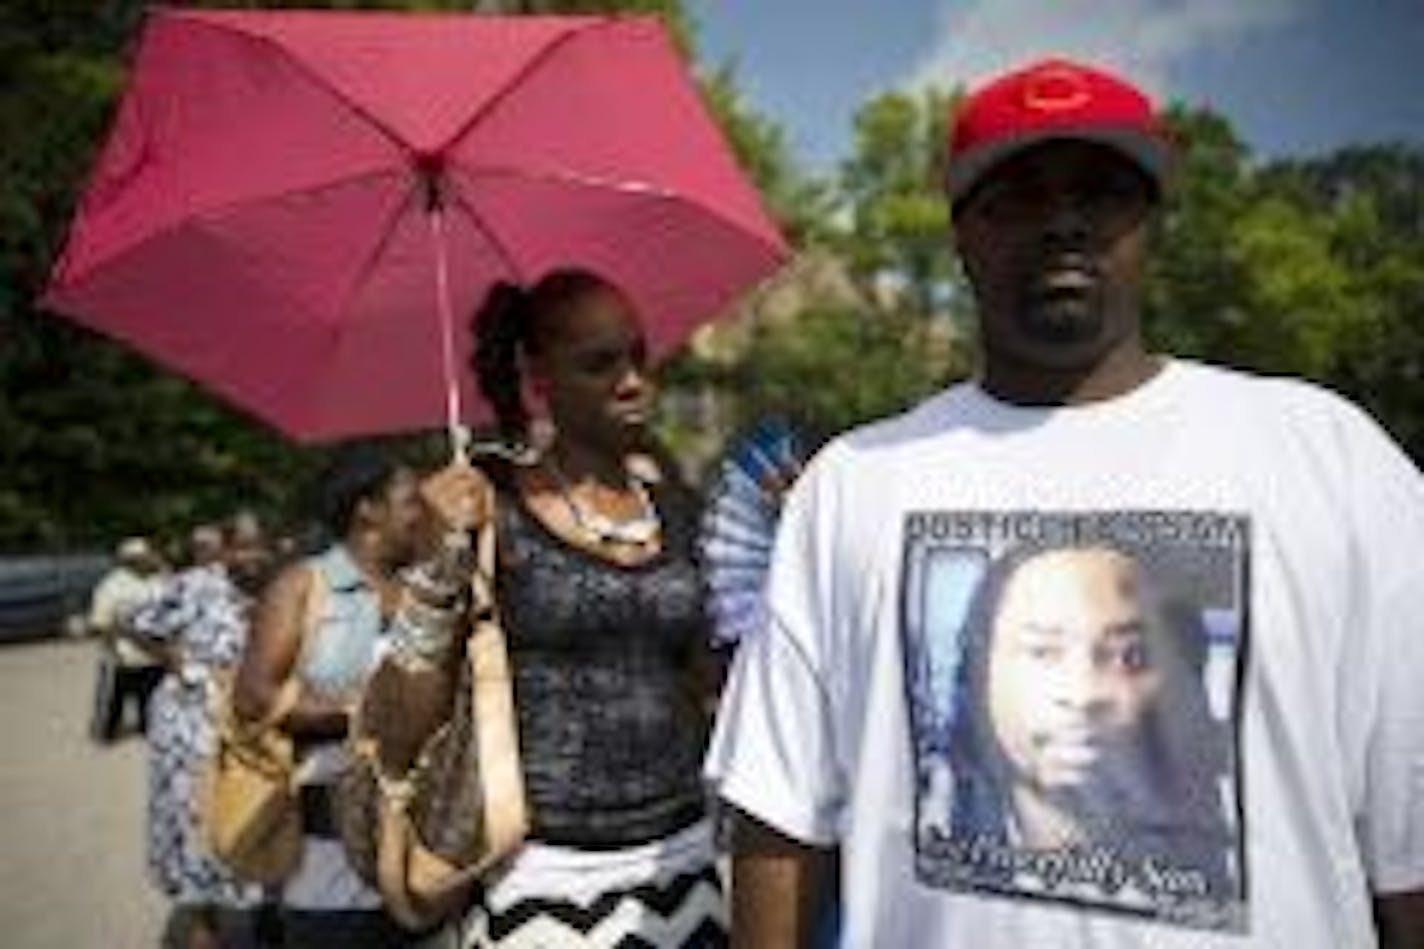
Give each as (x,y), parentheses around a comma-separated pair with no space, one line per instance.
(301,210)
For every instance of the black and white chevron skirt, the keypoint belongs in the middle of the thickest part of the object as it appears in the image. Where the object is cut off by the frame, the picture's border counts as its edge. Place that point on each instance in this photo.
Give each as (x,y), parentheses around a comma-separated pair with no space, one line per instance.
(667,894)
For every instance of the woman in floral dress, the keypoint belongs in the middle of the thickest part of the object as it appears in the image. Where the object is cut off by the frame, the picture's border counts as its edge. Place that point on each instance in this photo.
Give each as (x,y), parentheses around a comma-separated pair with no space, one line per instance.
(198,625)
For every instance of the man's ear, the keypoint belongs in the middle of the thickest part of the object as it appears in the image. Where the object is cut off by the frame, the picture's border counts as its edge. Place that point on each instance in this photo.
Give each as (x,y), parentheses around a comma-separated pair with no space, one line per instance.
(365,511)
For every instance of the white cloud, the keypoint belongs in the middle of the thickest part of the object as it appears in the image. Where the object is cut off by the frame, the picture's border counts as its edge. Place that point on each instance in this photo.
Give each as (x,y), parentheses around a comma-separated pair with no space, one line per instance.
(1143,39)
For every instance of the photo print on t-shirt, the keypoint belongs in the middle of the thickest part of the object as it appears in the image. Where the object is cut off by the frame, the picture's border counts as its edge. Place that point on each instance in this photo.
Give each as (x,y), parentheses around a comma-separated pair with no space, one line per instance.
(1074,681)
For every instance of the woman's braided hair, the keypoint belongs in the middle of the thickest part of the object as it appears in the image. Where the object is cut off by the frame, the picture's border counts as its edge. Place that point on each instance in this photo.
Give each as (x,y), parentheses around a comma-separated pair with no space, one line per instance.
(514,320)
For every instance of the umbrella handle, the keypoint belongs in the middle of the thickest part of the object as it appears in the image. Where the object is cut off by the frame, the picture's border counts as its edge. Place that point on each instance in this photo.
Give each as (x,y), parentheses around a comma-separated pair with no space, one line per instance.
(458,432)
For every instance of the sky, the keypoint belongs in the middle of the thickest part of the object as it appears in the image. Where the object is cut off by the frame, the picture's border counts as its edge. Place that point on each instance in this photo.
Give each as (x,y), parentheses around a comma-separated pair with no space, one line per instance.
(1294,77)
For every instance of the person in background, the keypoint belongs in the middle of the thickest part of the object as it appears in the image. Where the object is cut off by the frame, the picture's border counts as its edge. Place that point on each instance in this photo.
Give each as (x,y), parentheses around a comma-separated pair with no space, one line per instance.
(371,509)
(205,541)
(127,672)
(197,627)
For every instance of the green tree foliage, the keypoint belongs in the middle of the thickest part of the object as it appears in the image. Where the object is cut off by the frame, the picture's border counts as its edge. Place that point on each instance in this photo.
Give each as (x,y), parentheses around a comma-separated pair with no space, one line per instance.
(98,441)
(1371,203)
(1192,304)
(835,368)
(842,364)
(891,187)
(1309,267)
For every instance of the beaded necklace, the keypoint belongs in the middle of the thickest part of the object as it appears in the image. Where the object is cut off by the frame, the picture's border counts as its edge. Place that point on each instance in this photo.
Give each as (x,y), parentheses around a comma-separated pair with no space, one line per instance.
(634,532)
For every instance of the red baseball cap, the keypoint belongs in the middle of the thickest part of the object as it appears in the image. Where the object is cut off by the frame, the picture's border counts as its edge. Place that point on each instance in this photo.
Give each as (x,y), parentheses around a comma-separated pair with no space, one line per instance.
(1053,99)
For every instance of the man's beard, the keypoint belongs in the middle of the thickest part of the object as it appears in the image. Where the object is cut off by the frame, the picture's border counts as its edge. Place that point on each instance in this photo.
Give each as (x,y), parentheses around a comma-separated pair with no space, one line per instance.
(1063,297)
(1062,319)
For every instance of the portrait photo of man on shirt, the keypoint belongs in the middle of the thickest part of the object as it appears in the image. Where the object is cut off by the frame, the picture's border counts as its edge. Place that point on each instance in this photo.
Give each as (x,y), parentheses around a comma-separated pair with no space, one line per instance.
(1063,669)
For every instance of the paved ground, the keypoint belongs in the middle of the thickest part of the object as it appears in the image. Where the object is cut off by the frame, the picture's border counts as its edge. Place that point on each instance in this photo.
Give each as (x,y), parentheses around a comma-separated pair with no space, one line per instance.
(71,813)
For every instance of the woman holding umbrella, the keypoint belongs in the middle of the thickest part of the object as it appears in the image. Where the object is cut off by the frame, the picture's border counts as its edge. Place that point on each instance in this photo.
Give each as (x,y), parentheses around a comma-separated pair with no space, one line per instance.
(601,600)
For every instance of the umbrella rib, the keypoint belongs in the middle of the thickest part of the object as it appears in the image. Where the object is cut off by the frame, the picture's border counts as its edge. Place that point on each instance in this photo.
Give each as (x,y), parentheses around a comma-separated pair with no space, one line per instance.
(232,392)
(413,198)
(488,232)
(201,215)
(596,182)
(284,193)
(387,232)
(525,71)
(368,266)
(574,178)
(316,78)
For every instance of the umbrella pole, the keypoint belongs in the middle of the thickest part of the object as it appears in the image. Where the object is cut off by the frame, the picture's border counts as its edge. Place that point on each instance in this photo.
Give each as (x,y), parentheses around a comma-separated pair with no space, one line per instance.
(454,410)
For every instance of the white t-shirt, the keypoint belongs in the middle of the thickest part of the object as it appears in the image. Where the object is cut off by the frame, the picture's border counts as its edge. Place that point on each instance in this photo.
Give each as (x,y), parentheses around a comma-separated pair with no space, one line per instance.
(114,600)
(1148,672)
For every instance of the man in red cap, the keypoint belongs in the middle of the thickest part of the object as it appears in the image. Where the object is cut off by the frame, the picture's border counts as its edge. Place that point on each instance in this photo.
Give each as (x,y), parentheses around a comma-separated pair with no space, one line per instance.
(1103,647)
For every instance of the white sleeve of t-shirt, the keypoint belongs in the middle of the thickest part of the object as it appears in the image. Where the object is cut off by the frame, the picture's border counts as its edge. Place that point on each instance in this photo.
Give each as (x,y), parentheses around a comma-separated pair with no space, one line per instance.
(102,606)
(772,753)
(1388,504)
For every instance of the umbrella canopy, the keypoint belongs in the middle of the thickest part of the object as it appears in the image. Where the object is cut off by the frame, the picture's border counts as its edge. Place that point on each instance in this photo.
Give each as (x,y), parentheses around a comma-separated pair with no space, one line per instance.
(283,192)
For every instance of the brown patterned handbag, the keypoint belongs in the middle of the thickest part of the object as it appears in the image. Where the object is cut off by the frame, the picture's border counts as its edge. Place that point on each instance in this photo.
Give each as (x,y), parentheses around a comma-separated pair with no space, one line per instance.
(423,838)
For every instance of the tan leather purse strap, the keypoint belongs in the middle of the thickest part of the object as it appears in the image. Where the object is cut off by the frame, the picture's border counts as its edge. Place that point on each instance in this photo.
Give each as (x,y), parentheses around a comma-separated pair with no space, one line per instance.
(395,837)
(497,744)
(290,692)
(482,581)
(496,724)
(501,778)
(501,774)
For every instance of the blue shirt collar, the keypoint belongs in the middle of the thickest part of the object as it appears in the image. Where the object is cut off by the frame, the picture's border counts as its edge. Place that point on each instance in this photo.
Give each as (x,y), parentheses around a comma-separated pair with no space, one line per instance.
(342,574)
